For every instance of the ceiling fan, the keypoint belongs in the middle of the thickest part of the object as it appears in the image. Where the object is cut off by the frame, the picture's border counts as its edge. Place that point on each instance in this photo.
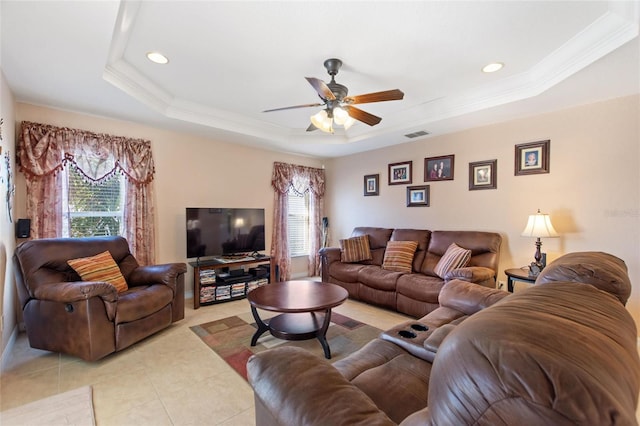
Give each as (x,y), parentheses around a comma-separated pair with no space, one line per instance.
(339,107)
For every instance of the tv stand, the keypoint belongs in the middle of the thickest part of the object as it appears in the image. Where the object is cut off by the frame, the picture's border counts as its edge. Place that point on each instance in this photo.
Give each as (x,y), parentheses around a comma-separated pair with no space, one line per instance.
(208,289)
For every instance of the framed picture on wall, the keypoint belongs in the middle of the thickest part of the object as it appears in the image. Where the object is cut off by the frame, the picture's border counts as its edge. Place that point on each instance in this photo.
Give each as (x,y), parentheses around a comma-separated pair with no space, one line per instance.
(371,185)
(400,173)
(418,196)
(483,175)
(438,168)
(532,158)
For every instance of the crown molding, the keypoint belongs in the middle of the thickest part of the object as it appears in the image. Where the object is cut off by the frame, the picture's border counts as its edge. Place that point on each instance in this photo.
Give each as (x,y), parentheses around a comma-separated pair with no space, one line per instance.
(614,28)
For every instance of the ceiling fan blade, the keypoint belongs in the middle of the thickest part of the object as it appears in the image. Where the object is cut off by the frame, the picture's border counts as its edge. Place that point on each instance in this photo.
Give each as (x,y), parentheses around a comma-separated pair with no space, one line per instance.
(294,107)
(387,95)
(311,128)
(321,87)
(363,116)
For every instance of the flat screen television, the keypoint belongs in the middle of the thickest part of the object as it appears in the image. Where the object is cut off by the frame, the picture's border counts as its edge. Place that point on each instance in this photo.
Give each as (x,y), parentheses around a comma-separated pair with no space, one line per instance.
(224,231)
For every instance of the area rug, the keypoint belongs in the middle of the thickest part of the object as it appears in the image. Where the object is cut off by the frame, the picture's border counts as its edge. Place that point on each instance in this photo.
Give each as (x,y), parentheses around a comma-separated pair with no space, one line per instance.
(69,408)
(231,339)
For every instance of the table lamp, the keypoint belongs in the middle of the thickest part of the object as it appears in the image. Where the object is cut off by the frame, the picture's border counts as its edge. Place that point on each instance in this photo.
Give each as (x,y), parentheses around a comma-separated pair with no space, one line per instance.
(538,226)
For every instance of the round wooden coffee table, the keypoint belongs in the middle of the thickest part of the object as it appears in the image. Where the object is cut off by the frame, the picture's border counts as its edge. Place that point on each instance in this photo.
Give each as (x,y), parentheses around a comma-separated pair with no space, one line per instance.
(305,306)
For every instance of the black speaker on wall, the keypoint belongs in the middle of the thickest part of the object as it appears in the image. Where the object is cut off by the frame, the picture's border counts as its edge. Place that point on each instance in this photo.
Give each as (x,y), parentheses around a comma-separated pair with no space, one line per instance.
(23,228)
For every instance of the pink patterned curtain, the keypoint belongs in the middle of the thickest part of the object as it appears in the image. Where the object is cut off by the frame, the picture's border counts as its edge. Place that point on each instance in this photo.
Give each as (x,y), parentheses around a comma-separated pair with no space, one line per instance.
(299,179)
(45,150)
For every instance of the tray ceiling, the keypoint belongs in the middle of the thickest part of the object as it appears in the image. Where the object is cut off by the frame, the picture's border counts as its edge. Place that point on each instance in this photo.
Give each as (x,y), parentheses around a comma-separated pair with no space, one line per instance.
(228,61)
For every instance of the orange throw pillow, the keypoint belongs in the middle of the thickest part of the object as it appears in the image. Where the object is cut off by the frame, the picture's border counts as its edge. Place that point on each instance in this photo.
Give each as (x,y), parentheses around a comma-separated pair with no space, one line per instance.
(100,267)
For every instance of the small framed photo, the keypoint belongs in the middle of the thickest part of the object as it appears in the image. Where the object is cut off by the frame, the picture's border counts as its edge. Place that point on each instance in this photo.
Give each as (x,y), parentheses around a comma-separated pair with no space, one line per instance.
(532,158)
(371,185)
(400,173)
(483,175)
(438,168)
(418,196)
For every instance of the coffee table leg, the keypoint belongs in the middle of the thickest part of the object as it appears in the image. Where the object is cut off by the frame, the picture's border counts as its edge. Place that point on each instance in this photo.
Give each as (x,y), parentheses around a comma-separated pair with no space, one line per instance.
(322,334)
(262,326)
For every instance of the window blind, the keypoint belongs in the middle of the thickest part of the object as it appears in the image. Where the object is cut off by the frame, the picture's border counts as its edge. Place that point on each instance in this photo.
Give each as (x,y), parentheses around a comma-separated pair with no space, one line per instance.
(298,224)
(94,209)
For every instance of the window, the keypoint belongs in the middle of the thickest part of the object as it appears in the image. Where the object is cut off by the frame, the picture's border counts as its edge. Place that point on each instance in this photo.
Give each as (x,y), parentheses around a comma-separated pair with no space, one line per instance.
(93,209)
(298,224)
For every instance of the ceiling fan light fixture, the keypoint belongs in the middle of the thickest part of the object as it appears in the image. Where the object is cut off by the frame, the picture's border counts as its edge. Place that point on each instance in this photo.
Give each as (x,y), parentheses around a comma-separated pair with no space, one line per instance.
(338,107)
(340,116)
(322,121)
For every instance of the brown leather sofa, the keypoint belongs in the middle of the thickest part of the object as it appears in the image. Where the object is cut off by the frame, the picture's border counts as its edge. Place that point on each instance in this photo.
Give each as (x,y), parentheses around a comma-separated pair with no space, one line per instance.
(89,319)
(562,352)
(416,293)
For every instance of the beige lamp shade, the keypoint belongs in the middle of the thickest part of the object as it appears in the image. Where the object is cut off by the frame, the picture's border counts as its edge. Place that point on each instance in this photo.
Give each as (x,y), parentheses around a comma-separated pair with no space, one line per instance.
(539,226)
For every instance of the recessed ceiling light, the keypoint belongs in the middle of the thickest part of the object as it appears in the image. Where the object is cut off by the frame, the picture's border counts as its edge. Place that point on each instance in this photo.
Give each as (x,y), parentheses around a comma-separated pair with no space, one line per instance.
(157,57)
(493,67)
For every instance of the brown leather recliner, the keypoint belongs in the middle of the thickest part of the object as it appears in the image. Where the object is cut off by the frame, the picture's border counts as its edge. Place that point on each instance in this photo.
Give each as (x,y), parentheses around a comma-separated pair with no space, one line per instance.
(89,319)
(562,352)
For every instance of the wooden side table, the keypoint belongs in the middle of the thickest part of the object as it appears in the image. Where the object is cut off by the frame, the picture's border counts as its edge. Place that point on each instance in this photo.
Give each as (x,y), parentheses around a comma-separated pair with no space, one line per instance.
(518,274)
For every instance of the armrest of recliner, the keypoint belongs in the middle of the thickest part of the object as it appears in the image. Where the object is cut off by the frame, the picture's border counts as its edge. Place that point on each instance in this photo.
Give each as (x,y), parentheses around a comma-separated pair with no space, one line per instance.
(297,387)
(467,297)
(328,255)
(68,292)
(157,274)
(474,274)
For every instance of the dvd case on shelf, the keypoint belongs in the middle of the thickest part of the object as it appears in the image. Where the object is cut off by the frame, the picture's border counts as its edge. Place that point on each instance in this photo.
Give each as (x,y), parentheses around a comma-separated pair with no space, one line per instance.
(213,283)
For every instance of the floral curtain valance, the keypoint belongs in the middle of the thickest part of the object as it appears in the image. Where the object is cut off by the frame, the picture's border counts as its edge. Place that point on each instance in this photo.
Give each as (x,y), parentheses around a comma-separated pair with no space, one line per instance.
(299,178)
(44,149)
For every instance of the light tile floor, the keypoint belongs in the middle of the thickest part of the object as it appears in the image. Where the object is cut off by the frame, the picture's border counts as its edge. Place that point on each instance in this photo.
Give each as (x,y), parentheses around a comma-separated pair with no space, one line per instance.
(171,378)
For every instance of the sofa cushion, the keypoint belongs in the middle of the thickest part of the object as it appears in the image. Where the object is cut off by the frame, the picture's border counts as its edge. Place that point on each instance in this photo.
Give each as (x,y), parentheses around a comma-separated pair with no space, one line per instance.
(398,387)
(378,278)
(355,249)
(455,257)
(345,272)
(420,287)
(484,246)
(399,256)
(100,267)
(141,301)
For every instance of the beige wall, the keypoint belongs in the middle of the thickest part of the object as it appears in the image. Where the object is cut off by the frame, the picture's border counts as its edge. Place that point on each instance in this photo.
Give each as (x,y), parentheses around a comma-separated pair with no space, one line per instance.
(190,172)
(592,192)
(7,234)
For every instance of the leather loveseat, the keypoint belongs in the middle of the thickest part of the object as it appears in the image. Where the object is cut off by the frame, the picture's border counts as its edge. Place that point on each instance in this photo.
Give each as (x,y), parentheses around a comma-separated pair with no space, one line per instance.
(415,293)
(562,352)
(91,319)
